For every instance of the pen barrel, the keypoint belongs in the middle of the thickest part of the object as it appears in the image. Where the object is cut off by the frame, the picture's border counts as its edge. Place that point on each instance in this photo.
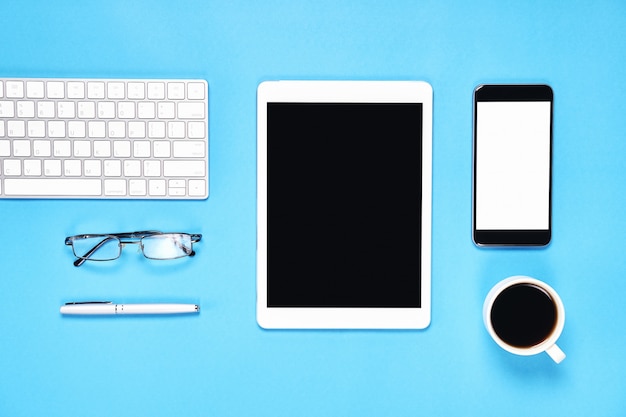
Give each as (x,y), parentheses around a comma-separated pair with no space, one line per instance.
(156,308)
(92,309)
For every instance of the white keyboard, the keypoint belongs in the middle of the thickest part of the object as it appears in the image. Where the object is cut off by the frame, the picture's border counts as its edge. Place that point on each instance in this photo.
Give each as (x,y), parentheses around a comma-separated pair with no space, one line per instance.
(104,138)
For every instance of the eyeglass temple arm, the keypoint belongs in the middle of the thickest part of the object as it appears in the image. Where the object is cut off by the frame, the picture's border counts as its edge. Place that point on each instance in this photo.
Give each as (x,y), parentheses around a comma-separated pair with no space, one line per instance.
(136,235)
(82,259)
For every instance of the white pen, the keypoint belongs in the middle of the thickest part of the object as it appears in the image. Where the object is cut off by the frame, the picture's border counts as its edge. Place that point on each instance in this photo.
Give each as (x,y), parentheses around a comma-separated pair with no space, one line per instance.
(108,308)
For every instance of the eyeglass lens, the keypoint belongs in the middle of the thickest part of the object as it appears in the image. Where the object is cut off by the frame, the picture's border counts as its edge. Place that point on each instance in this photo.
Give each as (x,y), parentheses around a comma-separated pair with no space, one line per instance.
(167,246)
(99,248)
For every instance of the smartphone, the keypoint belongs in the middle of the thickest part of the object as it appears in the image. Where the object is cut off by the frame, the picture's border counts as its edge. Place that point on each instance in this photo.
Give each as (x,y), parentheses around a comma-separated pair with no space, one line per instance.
(512,165)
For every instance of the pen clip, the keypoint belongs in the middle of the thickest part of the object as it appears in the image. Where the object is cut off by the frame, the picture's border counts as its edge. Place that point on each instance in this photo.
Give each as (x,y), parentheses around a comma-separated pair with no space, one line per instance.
(88,302)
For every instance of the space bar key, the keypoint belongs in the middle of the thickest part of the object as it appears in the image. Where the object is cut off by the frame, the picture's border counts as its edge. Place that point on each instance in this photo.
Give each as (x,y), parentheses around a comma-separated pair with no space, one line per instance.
(53,187)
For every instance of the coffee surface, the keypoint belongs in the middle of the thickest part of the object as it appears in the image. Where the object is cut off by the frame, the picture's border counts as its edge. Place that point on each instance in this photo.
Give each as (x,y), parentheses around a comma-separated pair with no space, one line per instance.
(523,315)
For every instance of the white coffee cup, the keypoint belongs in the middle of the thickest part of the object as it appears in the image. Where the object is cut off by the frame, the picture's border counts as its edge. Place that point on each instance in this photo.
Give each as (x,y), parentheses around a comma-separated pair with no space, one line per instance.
(525,316)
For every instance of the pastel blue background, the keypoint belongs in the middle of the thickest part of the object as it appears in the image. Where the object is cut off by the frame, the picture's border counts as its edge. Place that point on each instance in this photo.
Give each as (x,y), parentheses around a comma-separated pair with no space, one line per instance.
(221,363)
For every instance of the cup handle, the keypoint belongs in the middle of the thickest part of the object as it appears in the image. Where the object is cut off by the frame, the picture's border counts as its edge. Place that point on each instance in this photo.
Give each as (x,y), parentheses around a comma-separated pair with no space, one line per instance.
(555,353)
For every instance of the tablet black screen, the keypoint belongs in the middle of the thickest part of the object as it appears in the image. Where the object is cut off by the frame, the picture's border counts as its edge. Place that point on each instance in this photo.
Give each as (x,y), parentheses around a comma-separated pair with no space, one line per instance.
(344,204)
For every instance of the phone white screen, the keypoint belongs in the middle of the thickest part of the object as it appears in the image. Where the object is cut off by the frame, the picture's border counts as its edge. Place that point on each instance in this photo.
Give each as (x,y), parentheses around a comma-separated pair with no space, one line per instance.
(513,165)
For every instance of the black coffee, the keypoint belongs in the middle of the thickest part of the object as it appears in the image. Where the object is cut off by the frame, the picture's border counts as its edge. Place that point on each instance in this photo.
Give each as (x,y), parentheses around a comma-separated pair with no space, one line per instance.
(523,315)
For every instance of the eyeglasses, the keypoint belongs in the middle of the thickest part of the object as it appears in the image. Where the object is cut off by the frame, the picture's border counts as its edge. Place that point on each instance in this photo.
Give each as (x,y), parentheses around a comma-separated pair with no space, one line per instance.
(153,245)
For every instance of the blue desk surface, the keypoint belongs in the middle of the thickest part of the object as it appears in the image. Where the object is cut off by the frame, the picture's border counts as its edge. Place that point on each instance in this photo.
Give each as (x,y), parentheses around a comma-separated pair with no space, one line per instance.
(221,363)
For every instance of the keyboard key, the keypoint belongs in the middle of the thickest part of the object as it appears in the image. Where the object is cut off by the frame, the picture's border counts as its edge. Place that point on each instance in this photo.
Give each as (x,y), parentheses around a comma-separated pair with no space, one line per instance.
(165,110)
(75,89)
(45,109)
(132,168)
(93,168)
(62,148)
(106,110)
(197,187)
(56,129)
(196,130)
(26,109)
(95,89)
(12,167)
(32,167)
(115,187)
(87,110)
(82,148)
(52,187)
(161,149)
(76,129)
(183,168)
(189,149)
(72,168)
(102,148)
(5,148)
(136,130)
(136,91)
(156,90)
(117,130)
(137,187)
(35,89)
(176,183)
(176,130)
(14,89)
(42,148)
(55,89)
(176,192)
(97,129)
(112,168)
(36,128)
(52,167)
(151,169)
(121,149)
(195,91)
(156,130)
(141,149)
(66,109)
(115,90)
(126,110)
(146,110)
(16,129)
(175,91)
(157,188)
(191,110)
(21,148)
(7,109)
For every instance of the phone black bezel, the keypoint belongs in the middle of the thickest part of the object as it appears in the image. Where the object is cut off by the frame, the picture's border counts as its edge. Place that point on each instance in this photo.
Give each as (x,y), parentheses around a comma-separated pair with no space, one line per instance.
(513,92)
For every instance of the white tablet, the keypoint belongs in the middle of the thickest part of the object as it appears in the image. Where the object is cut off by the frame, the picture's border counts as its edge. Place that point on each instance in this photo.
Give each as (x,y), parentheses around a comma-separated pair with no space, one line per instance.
(344,204)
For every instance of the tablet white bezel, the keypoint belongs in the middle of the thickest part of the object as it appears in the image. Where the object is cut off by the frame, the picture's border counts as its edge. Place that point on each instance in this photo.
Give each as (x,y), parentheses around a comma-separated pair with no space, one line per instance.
(344,92)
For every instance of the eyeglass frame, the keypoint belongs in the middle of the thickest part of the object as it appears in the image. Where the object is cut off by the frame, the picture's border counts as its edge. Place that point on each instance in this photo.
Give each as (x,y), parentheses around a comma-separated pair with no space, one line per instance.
(139,236)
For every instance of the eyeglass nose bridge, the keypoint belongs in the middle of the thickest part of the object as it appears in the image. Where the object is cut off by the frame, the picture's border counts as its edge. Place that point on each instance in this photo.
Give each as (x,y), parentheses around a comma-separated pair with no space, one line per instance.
(138,242)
